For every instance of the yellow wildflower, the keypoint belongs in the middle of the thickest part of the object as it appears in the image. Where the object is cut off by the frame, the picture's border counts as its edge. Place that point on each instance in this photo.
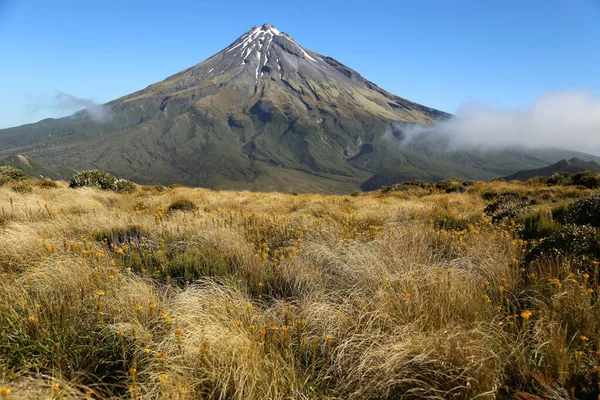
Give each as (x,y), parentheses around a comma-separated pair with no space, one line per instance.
(526,315)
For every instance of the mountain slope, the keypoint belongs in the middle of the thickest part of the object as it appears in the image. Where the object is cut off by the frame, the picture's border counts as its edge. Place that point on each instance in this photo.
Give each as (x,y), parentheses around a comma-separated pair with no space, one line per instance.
(572,166)
(262,114)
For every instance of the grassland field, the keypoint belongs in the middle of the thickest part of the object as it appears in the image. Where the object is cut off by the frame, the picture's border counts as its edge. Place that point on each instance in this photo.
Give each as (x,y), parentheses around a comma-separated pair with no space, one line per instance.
(180,293)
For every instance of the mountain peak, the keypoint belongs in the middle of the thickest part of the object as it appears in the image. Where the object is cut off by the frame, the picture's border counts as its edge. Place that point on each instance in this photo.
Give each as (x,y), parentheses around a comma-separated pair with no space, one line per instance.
(263,108)
(270,28)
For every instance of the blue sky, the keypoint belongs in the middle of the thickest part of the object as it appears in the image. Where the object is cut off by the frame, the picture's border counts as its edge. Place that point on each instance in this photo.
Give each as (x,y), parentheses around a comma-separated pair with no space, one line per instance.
(440,53)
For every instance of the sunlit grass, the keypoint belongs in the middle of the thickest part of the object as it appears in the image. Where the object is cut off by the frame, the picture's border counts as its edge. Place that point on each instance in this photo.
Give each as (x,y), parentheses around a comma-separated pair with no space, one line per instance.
(181,293)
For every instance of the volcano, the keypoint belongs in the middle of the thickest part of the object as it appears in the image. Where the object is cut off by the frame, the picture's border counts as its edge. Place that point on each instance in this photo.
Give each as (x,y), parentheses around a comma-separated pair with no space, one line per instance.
(262,114)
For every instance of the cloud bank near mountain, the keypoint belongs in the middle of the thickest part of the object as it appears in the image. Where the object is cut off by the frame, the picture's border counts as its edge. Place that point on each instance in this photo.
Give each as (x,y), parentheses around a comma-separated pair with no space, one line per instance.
(563,119)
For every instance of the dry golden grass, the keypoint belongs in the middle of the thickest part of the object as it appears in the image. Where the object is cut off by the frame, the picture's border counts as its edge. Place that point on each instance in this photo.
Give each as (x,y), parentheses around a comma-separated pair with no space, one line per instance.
(415,294)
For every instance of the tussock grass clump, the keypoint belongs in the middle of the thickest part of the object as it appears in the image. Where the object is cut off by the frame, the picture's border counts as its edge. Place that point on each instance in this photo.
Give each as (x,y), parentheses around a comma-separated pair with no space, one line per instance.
(537,224)
(182,205)
(22,187)
(413,294)
(45,184)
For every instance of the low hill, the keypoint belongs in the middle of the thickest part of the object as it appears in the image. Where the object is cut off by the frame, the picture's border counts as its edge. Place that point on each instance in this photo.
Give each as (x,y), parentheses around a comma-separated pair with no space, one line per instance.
(36,169)
(571,166)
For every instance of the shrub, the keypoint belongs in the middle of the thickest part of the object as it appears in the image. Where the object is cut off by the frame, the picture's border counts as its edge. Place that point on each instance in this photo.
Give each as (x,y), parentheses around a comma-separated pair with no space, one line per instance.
(124,186)
(505,206)
(46,184)
(583,212)
(182,205)
(94,178)
(562,178)
(587,179)
(582,242)
(102,180)
(11,174)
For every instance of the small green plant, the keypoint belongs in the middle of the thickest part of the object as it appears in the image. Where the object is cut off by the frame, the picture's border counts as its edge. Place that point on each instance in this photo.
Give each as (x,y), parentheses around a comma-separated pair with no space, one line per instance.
(537,224)
(22,187)
(181,205)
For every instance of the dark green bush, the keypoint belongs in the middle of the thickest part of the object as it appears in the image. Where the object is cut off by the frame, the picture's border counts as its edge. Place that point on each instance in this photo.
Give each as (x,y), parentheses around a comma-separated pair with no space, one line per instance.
(11,174)
(580,242)
(562,179)
(181,205)
(583,212)
(587,179)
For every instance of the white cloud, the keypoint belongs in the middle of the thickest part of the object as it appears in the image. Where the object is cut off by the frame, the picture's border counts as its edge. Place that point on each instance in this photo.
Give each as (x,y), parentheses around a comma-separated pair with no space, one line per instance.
(566,120)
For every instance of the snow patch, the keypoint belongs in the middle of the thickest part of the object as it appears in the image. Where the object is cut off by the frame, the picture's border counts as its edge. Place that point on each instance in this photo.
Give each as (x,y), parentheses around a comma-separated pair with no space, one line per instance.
(252,35)
(302,50)
(257,66)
